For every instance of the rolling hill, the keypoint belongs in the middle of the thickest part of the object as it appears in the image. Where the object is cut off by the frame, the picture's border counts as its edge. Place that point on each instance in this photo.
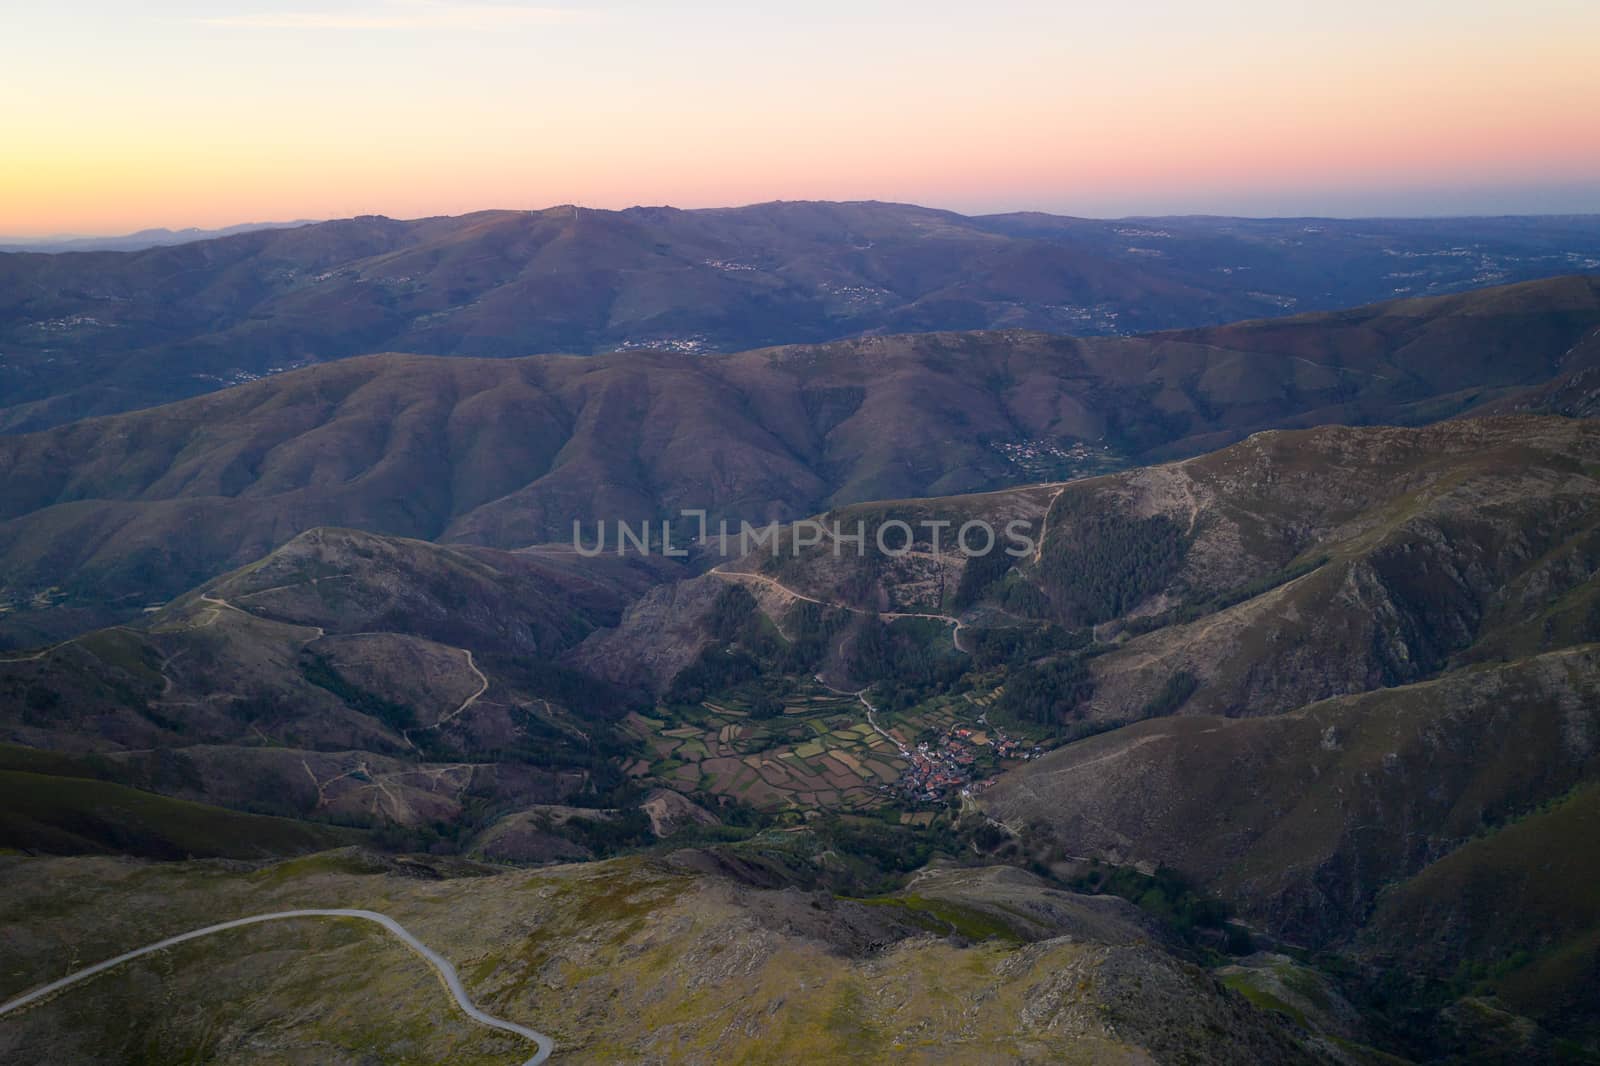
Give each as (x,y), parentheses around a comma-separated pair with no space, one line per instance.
(345,677)
(128,510)
(91,333)
(1288,568)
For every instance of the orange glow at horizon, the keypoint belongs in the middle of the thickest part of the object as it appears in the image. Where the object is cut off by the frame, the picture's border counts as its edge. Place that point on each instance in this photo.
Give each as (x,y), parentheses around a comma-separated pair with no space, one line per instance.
(229,131)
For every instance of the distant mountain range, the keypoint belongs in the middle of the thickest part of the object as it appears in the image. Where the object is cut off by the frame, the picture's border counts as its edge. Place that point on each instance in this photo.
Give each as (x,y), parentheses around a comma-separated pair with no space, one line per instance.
(159,237)
(103,332)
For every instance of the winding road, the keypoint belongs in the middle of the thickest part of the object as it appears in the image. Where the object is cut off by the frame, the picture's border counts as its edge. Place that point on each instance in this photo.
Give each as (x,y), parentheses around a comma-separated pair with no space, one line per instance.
(872,720)
(745,575)
(955,637)
(34,656)
(483,686)
(543,1044)
(1044,525)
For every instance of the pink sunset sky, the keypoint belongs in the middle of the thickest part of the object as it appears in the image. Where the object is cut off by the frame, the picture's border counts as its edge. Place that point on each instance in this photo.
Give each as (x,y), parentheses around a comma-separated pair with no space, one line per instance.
(174,113)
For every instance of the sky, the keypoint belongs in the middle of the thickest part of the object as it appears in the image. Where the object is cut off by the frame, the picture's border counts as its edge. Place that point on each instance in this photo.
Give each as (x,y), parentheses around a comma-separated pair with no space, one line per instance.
(120,116)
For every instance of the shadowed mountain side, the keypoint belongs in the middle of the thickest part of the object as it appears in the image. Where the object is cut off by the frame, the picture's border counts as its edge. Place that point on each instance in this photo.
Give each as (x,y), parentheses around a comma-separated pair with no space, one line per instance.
(133,508)
(1338,560)
(1302,818)
(1291,567)
(1512,911)
(347,676)
(534,602)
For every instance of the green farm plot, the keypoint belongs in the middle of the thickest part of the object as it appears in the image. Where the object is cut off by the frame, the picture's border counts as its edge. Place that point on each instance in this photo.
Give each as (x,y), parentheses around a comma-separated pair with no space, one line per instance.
(820,752)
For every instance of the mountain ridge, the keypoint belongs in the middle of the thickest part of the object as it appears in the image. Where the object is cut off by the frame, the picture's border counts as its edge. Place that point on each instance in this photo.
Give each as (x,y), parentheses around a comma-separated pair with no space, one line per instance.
(508,453)
(100,332)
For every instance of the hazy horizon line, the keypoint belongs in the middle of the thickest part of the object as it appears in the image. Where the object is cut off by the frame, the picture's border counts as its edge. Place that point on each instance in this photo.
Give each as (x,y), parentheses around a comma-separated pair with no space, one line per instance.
(203,231)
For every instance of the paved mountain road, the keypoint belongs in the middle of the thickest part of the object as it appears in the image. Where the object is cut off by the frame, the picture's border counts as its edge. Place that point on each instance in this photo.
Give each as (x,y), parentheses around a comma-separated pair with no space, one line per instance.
(447,973)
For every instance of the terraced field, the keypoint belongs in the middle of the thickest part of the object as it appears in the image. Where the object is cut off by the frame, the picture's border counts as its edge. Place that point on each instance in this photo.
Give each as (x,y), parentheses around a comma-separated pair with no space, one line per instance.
(819,753)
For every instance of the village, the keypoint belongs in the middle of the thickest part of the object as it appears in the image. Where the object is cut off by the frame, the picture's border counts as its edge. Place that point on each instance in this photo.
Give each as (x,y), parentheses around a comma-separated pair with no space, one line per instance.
(951,762)
(1046,460)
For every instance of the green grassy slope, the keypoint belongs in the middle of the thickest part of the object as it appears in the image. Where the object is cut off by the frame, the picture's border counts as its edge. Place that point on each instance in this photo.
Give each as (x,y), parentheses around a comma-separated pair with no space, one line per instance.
(620,961)
(73,815)
(1512,914)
